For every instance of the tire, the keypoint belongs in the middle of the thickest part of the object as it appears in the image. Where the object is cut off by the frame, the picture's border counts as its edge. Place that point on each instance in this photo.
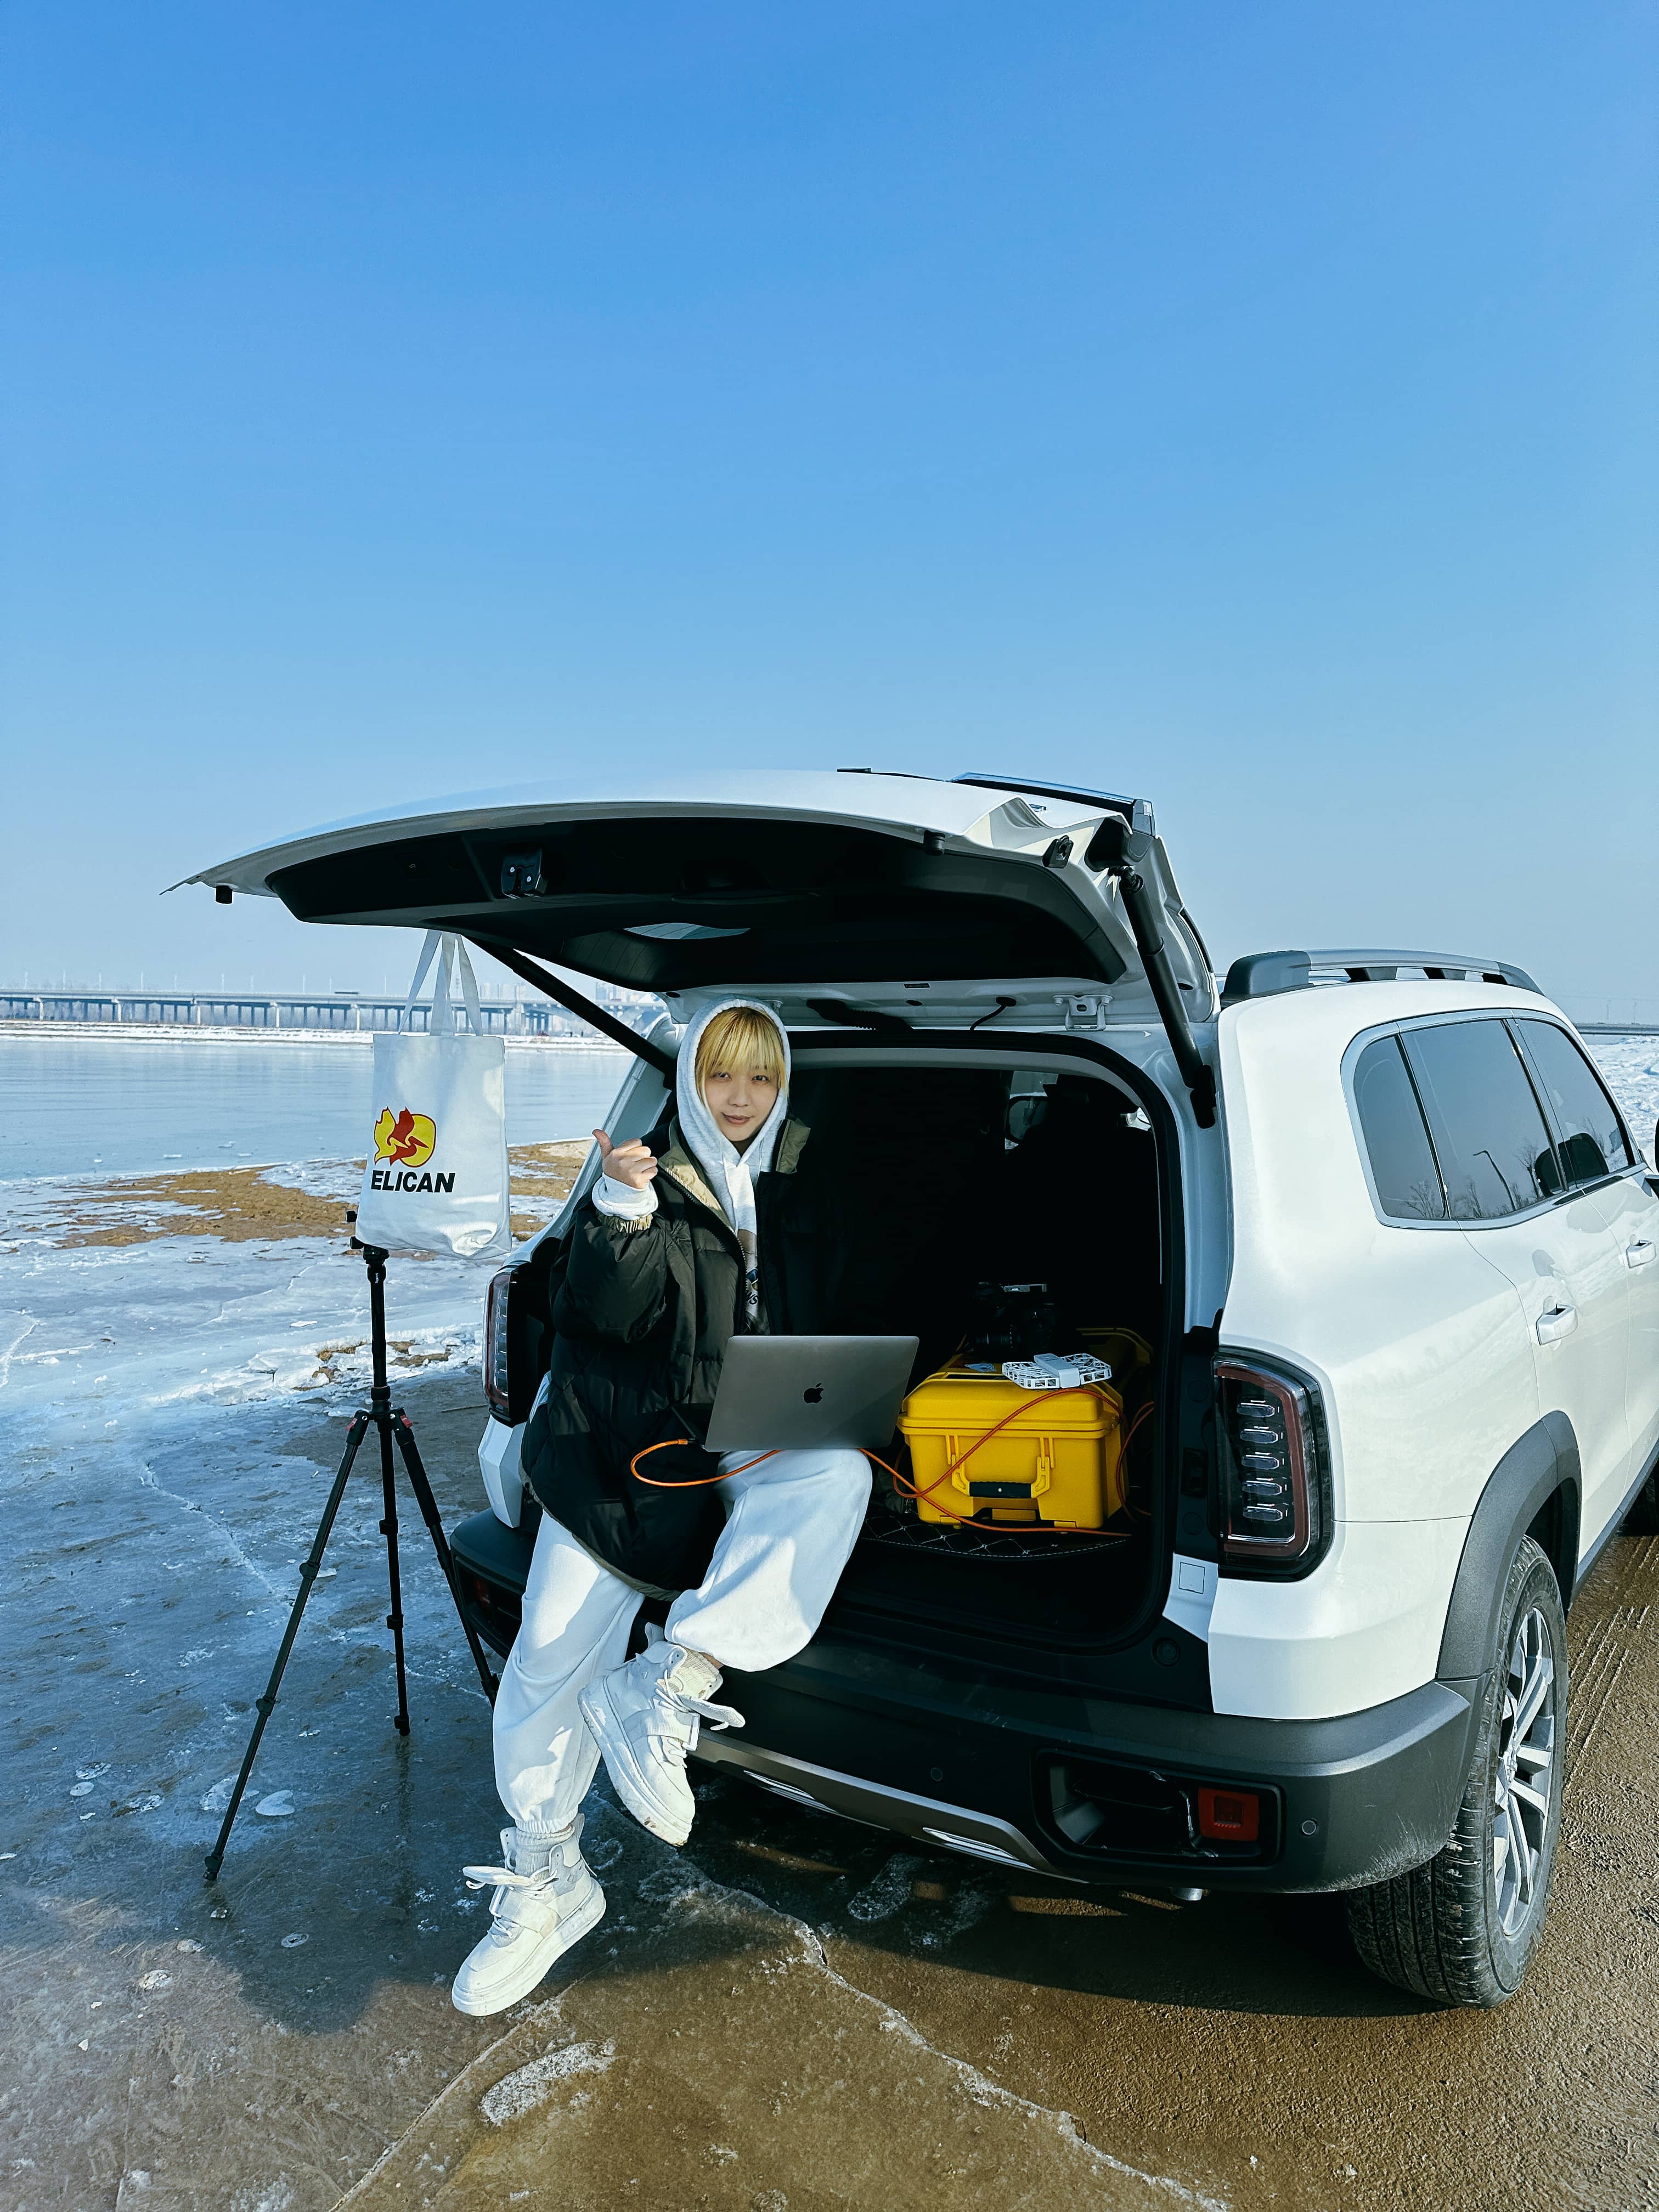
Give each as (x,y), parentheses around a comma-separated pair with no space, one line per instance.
(1460,1929)
(1642,1514)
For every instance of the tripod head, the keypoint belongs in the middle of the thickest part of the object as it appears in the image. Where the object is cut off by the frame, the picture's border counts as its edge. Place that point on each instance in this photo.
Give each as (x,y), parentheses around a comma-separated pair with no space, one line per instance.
(375,1254)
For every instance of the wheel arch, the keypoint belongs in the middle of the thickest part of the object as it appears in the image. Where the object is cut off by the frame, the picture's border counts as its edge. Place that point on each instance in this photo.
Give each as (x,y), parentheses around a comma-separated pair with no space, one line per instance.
(1534,1491)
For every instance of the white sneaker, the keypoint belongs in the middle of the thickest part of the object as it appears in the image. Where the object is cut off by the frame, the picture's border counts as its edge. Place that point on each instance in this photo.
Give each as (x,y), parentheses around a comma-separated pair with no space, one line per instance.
(545,1900)
(645,1716)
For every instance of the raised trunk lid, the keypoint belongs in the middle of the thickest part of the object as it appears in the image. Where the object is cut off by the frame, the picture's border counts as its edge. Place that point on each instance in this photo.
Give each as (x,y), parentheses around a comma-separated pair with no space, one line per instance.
(800,884)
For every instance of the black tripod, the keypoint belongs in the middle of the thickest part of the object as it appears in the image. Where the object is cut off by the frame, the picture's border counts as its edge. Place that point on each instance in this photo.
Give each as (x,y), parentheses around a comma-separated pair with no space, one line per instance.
(392,1422)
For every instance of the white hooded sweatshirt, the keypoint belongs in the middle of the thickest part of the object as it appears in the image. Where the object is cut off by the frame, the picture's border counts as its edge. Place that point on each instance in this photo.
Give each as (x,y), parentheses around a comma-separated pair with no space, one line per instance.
(729,1173)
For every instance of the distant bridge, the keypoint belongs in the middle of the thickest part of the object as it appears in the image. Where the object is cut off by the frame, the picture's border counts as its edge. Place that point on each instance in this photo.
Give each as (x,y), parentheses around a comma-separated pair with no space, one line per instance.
(347,1011)
(258,1010)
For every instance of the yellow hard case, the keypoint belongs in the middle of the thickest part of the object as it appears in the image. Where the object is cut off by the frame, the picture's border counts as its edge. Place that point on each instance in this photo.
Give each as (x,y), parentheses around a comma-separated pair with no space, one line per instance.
(1056,1461)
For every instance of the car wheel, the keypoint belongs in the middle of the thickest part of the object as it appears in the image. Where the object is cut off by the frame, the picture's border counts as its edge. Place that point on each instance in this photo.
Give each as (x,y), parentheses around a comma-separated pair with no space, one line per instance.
(1642,1514)
(1460,1929)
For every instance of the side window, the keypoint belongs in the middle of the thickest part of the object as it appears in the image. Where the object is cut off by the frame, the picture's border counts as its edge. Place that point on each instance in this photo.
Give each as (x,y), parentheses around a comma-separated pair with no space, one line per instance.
(1592,1141)
(1396,1142)
(1495,1152)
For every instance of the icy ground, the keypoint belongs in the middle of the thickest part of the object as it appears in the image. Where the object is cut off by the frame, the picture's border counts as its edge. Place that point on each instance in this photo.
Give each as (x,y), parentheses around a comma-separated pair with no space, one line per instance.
(94,1336)
(282,2040)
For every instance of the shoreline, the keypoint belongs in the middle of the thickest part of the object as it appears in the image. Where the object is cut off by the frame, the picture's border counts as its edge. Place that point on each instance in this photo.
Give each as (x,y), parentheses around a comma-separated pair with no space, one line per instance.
(182,1033)
(257,1201)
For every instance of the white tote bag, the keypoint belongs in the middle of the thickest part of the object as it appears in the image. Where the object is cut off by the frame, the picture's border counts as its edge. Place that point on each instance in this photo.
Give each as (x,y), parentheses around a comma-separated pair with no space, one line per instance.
(436,1177)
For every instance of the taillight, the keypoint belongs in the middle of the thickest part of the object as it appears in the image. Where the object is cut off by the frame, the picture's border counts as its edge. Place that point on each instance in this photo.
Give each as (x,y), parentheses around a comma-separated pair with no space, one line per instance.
(1273,1469)
(496,1345)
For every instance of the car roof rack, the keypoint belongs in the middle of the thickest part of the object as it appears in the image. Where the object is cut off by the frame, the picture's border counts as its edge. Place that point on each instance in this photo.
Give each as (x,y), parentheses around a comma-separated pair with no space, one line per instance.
(1264,974)
(1115,799)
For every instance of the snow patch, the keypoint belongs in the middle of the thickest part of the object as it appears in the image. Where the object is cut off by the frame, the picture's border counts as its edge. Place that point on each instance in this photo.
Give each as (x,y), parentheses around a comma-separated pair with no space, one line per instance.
(265,2197)
(521,2092)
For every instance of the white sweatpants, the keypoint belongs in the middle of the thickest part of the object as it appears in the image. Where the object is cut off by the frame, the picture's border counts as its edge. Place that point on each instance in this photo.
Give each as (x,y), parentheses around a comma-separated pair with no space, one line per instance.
(792,1522)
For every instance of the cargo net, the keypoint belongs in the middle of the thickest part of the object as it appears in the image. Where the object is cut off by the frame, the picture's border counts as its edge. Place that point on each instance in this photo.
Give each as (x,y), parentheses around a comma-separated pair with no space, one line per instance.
(998,1542)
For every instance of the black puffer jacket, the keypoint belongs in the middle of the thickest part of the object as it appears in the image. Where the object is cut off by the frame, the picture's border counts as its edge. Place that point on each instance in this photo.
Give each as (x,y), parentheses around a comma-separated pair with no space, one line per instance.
(641,1322)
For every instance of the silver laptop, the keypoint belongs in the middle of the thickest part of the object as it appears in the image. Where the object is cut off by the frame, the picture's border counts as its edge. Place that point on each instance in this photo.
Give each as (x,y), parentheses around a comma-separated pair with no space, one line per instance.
(784,1393)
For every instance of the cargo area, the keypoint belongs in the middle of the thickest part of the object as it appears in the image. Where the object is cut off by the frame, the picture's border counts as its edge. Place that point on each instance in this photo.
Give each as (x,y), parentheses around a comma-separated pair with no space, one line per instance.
(1011,1210)
(1002,1210)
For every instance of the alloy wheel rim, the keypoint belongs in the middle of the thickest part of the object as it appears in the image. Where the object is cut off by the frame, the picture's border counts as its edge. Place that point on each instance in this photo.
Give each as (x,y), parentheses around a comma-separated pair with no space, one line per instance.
(1524,1781)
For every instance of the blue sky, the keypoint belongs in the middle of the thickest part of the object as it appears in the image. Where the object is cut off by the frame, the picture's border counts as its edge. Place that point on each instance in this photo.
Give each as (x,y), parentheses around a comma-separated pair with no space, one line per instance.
(1250,406)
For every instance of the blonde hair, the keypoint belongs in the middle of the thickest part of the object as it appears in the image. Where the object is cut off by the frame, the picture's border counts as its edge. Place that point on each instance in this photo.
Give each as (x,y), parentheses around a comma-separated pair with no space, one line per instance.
(738,1037)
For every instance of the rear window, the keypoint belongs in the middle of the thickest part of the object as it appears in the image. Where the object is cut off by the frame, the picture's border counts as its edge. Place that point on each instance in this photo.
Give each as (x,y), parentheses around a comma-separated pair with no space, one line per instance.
(1402,1162)
(1592,1140)
(1495,1152)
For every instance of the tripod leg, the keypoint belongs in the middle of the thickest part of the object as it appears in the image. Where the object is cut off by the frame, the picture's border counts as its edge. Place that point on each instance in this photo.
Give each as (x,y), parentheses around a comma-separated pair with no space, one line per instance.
(263,1706)
(418,1483)
(394,1619)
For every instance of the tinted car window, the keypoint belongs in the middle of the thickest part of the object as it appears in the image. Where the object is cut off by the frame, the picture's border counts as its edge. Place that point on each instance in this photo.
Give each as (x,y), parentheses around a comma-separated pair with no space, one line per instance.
(1396,1142)
(1495,1152)
(1592,1143)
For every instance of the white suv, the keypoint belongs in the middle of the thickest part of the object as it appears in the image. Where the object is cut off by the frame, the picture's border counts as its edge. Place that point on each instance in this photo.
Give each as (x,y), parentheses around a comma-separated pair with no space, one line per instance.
(1386,1239)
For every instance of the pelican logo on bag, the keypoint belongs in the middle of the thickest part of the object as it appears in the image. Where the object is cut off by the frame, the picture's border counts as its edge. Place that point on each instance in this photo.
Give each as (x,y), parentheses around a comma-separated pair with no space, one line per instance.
(405,1137)
(407,1140)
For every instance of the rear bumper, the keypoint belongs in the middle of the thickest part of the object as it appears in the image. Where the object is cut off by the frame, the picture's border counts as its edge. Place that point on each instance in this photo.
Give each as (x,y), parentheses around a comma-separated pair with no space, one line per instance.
(1345,1802)
(992,1770)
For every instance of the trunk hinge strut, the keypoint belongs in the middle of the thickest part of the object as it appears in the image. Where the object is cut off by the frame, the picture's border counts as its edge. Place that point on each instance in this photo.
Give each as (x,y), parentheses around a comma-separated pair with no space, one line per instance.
(1121,851)
(530,971)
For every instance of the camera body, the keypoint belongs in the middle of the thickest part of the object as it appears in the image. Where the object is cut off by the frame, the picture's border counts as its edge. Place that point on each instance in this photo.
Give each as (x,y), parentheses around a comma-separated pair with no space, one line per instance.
(1011,1320)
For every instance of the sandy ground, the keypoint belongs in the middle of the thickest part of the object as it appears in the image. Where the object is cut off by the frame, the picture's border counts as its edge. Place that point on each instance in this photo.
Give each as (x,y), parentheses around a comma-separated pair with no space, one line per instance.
(790,2013)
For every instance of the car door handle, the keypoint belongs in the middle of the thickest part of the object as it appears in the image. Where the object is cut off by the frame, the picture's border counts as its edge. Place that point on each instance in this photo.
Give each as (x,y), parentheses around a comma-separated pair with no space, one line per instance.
(1558,1322)
(1639,1254)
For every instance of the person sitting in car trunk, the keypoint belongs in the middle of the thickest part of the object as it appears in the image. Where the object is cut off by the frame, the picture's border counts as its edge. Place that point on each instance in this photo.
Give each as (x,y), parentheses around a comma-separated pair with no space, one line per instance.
(705,1230)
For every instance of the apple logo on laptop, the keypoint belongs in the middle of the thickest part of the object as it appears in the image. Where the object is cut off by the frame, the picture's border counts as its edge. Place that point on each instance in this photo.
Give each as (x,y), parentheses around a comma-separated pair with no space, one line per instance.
(811,1397)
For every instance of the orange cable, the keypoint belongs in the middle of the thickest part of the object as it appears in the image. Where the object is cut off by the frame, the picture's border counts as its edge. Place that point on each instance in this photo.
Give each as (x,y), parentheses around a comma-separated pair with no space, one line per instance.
(1129,1435)
(693,1482)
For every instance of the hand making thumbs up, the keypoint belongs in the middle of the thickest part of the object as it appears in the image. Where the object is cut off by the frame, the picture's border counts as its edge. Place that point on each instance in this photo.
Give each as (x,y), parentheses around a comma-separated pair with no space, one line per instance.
(630,1163)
